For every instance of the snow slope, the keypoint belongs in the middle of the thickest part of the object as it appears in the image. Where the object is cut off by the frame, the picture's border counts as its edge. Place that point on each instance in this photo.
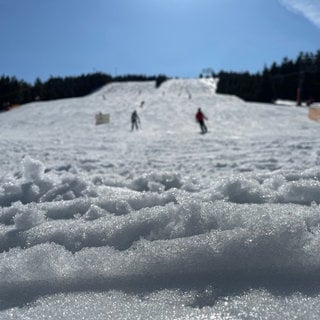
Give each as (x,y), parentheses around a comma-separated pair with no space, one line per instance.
(98,222)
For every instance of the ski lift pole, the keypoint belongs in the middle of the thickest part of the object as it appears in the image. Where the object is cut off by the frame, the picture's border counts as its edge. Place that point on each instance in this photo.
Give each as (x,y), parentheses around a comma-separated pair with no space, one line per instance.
(299,89)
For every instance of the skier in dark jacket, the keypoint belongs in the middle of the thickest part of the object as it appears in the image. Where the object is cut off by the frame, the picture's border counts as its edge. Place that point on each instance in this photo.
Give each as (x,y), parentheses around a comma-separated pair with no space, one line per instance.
(135,120)
(200,117)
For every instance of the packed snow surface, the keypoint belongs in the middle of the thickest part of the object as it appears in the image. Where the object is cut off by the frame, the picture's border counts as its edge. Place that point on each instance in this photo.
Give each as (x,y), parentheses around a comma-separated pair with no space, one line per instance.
(98,222)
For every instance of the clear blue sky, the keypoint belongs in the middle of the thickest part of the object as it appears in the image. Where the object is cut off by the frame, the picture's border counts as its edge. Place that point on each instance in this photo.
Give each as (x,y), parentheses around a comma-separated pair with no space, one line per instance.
(43,38)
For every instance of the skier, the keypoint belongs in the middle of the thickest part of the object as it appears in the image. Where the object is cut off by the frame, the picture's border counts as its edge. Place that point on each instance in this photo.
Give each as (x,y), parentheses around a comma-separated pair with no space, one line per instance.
(135,120)
(200,117)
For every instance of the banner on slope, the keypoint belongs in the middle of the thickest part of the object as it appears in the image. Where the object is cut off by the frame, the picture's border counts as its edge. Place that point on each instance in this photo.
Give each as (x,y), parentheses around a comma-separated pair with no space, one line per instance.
(102,118)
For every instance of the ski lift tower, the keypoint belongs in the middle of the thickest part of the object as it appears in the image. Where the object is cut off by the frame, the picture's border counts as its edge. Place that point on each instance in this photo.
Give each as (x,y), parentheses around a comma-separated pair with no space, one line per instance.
(300,86)
(299,89)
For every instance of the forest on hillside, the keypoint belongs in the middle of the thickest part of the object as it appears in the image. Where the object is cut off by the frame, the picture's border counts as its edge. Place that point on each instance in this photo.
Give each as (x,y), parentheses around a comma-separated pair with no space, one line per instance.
(297,79)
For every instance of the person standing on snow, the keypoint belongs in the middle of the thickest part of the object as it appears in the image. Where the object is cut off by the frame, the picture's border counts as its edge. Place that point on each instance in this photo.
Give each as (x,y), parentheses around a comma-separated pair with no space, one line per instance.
(135,120)
(200,117)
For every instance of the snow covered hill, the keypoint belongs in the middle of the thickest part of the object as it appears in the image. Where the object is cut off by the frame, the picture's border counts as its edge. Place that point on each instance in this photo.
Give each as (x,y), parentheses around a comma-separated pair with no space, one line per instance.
(98,222)
(64,131)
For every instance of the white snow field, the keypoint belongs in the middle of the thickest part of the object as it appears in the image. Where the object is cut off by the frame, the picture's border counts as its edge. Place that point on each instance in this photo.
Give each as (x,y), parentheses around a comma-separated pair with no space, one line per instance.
(98,222)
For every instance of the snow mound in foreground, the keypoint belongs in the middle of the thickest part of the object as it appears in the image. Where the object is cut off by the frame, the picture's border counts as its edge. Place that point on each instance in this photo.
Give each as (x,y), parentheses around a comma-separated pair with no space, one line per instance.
(80,233)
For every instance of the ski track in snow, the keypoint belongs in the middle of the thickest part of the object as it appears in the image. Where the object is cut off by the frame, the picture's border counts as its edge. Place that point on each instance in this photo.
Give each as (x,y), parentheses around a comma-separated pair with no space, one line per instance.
(164,223)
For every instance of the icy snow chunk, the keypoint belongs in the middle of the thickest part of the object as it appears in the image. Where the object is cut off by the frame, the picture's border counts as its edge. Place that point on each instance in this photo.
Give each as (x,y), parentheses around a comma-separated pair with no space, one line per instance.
(33,170)
(155,186)
(28,219)
(44,262)
(28,189)
(302,192)
(157,182)
(241,190)
(185,220)
(94,213)
(191,185)
(116,206)
(67,209)
(275,182)
(11,192)
(69,189)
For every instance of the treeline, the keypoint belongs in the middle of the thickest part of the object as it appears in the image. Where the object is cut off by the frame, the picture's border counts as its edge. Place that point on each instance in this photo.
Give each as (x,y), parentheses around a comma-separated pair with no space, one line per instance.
(297,79)
(15,92)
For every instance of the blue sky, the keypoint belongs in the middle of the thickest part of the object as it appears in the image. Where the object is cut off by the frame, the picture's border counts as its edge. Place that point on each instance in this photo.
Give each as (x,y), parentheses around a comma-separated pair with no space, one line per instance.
(43,38)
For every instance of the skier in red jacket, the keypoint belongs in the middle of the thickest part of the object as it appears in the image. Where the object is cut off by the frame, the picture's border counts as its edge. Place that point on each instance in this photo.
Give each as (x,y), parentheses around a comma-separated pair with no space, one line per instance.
(200,117)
